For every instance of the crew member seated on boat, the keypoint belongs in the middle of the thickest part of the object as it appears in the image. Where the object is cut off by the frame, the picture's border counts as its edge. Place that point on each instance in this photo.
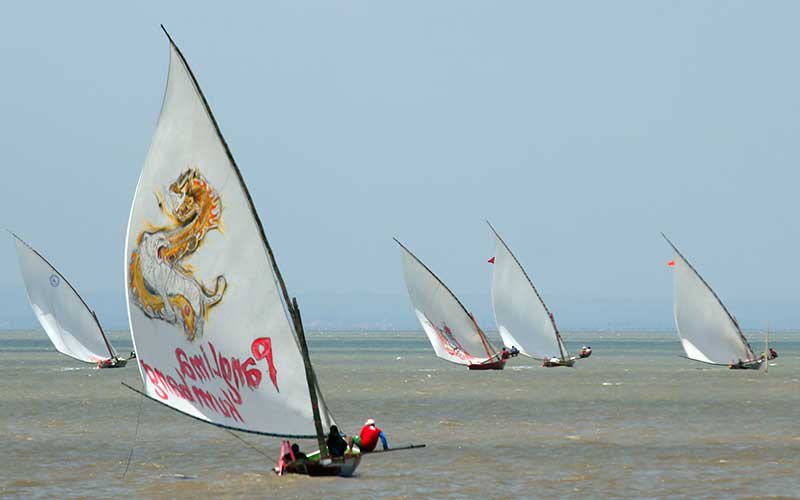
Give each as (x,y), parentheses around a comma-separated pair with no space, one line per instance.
(772,353)
(133,355)
(337,446)
(368,438)
(551,361)
(514,352)
(585,351)
(298,455)
(505,354)
(107,363)
(738,365)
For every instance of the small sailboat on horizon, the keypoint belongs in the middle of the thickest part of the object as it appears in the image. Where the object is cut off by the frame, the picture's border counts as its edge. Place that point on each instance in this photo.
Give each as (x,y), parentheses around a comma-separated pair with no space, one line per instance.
(451,329)
(217,337)
(709,333)
(523,319)
(69,322)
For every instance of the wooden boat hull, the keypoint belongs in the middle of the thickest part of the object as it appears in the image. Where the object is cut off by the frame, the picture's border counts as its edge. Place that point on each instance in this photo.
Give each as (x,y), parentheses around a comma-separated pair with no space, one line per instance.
(561,362)
(339,466)
(493,365)
(119,364)
(756,364)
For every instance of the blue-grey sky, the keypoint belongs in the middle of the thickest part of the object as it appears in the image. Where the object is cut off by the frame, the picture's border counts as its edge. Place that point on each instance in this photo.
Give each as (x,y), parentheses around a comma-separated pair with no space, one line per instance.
(580,129)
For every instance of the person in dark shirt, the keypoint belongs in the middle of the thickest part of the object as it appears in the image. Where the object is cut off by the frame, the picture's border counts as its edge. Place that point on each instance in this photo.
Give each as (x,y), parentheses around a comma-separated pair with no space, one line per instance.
(337,446)
(298,455)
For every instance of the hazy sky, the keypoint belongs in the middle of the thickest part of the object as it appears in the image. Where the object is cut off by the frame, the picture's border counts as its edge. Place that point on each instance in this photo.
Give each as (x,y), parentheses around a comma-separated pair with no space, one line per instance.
(580,129)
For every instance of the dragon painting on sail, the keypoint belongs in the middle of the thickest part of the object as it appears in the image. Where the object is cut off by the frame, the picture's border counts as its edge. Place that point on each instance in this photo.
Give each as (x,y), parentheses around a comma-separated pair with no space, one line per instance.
(162,284)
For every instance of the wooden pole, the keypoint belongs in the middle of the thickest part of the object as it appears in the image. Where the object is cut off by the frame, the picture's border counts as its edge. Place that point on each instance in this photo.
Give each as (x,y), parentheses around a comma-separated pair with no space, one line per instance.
(312,387)
(766,350)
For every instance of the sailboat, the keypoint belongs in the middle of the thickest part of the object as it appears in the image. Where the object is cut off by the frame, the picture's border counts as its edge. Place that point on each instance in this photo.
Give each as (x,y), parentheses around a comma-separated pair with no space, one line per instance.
(451,330)
(217,337)
(708,331)
(72,326)
(523,319)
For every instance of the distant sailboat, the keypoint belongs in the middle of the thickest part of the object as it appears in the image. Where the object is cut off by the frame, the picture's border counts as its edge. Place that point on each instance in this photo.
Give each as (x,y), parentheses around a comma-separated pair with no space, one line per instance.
(72,326)
(522,317)
(217,337)
(452,331)
(708,332)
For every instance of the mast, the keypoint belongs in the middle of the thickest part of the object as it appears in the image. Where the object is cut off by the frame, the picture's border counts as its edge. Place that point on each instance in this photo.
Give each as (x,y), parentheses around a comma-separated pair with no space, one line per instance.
(559,340)
(103,334)
(558,336)
(310,379)
(484,340)
(730,316)
(766,350)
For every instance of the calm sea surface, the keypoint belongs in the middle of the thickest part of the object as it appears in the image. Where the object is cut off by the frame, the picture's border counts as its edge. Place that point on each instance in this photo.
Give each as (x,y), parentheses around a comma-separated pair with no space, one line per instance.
(633,421)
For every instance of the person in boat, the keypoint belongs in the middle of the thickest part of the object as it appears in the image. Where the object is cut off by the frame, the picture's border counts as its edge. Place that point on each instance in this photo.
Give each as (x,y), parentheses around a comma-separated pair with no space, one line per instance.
(772,353)
(514,352)
(736,366)
(298,455)
(551,361)
(585,351)
(337,446)
(133,355)
(505,354)
(368,438)
(107,363)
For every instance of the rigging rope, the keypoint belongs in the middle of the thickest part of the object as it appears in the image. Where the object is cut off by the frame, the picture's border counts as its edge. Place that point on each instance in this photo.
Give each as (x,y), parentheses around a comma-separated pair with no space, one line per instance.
(248,444)
(135,436)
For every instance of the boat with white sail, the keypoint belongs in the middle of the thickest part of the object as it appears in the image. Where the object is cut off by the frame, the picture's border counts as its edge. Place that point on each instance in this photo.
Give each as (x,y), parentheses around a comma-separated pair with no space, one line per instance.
(451,329)
(217,337)
(523,319)
(709,333)
(69,322)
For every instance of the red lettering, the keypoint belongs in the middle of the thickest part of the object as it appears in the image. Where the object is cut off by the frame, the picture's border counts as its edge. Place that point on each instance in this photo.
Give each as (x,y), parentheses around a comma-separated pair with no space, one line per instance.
(232,407)
(183,362)
(253,375)
(216,360)
(199,367)
(183,387)
(262,349)
(204,398)
(225,366)
(151,374)
(238,372)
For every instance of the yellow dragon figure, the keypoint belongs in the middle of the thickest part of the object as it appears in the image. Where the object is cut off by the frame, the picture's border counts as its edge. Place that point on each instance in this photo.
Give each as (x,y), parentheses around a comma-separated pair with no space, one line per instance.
(161,285)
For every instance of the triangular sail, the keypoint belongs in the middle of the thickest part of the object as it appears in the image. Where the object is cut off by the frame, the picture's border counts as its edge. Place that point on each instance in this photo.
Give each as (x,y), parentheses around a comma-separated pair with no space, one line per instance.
(68,321)
(707,330)
(522,317)
(208,311)
(452,331)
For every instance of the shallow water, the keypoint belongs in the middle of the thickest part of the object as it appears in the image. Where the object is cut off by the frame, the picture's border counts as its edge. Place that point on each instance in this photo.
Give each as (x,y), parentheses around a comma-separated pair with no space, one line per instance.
(633,421)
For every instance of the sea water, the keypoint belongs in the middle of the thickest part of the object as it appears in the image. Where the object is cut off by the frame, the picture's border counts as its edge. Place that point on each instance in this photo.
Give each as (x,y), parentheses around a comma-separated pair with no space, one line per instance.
(633,421)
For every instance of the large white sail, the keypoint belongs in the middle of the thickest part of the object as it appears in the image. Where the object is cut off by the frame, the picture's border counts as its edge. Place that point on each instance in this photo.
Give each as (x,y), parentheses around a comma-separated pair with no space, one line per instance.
(522,317)
(68,321)
(451,330)
(207,308)
(707,330)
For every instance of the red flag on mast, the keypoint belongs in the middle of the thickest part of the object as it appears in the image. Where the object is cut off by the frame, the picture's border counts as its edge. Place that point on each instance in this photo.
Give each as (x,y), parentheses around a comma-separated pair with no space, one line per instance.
(671,263)
(491,261)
